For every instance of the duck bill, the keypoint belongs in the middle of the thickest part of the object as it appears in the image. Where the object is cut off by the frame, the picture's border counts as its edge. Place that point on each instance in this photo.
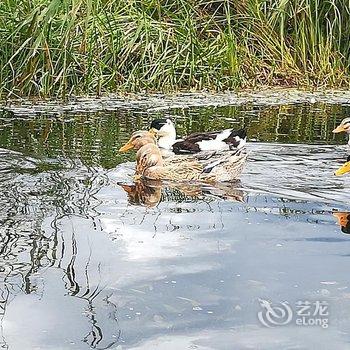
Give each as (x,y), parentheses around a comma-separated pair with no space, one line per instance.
(345,168)
(126,147)
(339,128)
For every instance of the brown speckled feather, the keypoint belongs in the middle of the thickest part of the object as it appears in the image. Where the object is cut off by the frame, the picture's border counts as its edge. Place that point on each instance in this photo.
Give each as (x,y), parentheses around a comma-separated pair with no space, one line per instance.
(186,171)
(206,166)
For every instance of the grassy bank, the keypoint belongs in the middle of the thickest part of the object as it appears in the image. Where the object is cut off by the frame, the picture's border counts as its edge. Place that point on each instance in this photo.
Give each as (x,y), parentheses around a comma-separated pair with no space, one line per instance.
(61,47)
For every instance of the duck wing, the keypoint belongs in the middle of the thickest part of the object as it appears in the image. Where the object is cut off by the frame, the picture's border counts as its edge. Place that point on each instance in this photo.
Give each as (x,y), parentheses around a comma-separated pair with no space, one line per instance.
(226,167)
(215,140)
(186,171)
(190,143)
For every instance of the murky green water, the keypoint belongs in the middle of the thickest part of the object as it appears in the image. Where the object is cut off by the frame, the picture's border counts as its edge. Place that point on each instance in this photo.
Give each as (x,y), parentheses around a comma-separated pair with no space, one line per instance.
(84,264)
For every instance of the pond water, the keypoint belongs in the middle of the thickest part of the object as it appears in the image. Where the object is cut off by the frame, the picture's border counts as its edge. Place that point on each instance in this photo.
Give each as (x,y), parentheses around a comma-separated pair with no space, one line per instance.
(90,261)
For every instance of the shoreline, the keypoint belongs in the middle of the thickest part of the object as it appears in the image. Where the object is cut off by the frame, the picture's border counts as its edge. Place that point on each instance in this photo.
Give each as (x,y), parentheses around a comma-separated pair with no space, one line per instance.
(157,102)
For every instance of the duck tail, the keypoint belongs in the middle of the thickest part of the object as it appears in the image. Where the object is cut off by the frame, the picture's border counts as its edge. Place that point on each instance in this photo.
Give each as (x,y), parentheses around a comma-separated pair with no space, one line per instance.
(241,133)
(237,139)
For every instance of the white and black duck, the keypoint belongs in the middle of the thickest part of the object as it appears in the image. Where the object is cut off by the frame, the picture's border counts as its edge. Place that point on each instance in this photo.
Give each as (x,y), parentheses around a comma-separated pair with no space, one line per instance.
(228,139)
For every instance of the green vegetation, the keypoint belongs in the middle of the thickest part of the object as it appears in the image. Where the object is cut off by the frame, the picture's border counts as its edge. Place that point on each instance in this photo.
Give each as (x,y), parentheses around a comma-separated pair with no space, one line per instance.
(56,48)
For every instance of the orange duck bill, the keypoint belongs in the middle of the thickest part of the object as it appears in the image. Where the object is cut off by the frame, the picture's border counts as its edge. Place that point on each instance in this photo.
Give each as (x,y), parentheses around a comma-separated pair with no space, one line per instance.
(137,140)
(128,146)
(344,126)
(339,128)
(345,168)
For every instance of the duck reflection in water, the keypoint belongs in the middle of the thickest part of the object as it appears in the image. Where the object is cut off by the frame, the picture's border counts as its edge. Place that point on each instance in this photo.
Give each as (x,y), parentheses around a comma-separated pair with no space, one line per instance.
(196,176)
(151,193)
(343,220)
(146,193)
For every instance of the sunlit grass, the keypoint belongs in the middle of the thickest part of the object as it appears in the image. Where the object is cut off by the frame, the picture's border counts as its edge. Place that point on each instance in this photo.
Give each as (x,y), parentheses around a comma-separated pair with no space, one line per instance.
(57,48)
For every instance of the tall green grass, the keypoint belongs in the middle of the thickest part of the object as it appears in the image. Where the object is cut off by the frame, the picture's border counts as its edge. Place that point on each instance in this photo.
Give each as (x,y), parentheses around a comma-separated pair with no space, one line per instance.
(56,48)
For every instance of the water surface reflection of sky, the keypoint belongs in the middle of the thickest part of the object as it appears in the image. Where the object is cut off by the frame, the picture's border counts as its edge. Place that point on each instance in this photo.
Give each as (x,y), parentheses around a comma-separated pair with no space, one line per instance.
(82,267)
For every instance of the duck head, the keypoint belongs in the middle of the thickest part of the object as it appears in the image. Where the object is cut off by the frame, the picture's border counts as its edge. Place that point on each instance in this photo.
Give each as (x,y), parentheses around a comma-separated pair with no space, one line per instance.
(137,140)
(165,130)
(344,126)
(345,168)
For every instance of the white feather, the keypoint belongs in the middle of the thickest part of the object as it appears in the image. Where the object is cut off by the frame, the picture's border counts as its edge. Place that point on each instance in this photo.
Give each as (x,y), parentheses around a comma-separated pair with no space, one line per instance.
(216,144)
(167,135)
(242,142)
(224,134)
(212,145)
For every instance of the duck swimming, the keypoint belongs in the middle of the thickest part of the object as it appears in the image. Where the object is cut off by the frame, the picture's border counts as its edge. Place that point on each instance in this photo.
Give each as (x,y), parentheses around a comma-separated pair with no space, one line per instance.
(227,139)
(153,167)
(344,126)
(213,166)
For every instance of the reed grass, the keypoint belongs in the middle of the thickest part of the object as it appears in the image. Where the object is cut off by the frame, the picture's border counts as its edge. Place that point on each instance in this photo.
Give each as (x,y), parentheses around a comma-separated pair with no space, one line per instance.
(56,48)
